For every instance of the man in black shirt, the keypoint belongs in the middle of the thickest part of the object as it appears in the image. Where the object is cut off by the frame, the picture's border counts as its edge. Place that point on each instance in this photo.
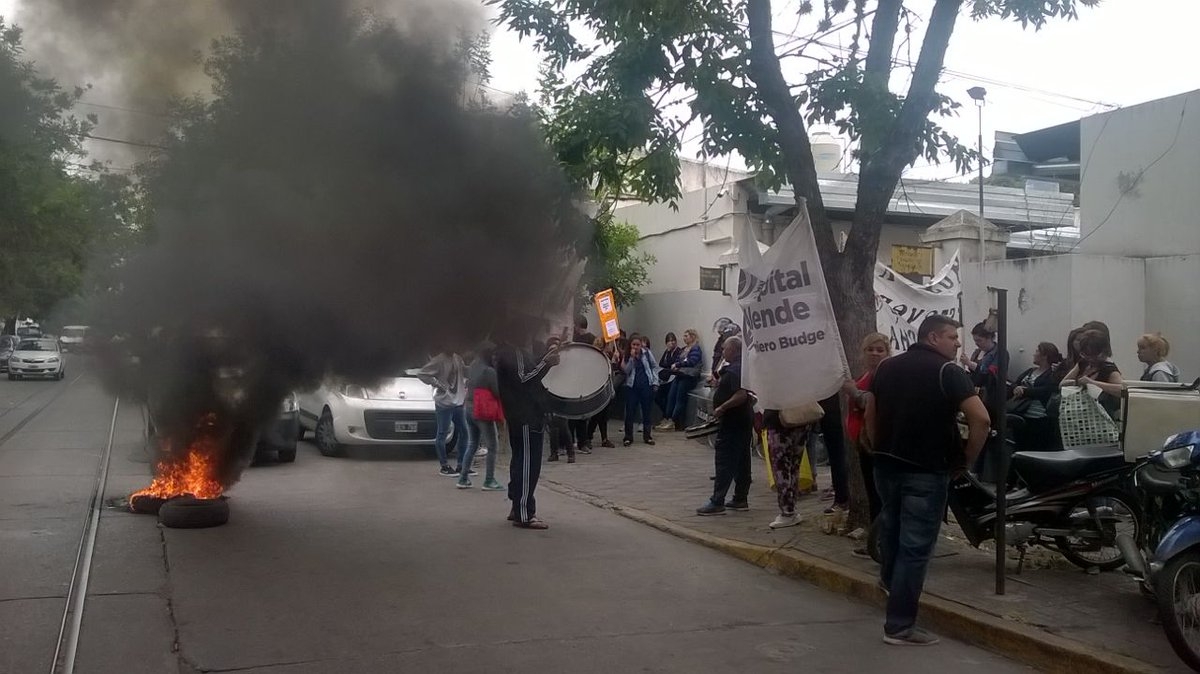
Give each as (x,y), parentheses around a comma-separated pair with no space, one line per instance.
(521,395)
(911,422)
(734,408)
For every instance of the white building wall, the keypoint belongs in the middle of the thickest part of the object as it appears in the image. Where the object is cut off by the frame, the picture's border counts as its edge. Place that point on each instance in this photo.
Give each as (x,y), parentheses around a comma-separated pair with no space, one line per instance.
(1158,213)
(1173,308)
(1049,296)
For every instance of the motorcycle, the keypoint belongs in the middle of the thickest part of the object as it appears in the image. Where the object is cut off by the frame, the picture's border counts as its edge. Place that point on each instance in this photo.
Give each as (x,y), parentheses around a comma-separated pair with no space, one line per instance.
(1165,558)
(1074,501)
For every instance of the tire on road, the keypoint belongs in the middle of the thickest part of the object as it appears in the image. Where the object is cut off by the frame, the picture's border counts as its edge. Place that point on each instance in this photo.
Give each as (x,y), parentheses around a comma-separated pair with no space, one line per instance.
(287,455)
(327,443)
(187,512)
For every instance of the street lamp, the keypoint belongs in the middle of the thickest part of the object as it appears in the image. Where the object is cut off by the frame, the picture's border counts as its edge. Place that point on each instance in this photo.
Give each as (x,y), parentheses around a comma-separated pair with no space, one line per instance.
(978,94)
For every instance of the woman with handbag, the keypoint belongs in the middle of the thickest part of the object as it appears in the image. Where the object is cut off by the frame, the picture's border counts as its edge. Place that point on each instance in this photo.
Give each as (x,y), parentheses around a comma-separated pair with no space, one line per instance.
(686,371)
(1095,368)
(788,432)
(484,412)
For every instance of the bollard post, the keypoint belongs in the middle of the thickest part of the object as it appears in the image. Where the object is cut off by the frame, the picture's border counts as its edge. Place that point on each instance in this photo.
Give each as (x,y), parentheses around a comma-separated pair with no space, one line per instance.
(999,434)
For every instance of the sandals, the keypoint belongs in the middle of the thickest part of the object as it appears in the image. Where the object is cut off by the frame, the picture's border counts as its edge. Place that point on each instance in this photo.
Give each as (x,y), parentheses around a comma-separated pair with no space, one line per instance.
(534,523)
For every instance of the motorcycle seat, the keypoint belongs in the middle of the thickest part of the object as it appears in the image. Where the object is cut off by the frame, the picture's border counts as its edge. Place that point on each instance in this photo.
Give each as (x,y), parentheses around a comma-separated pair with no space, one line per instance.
(1043,471)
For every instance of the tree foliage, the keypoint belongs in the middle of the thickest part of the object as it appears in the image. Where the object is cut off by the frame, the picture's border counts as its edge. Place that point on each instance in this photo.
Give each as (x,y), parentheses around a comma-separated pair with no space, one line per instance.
(625,79)
(53,221)
(617,263)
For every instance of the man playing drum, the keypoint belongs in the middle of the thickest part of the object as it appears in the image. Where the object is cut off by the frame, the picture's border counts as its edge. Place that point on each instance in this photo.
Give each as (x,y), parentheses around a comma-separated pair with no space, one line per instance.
(521,395)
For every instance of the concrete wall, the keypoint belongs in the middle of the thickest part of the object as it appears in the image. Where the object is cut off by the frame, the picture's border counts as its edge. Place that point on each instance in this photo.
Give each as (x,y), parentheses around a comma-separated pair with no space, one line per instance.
(1048,296)
(1157,214)
(1173,308)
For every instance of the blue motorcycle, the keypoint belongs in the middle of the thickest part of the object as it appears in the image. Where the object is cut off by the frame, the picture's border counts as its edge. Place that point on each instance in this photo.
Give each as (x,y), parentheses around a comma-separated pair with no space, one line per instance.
(1166,556)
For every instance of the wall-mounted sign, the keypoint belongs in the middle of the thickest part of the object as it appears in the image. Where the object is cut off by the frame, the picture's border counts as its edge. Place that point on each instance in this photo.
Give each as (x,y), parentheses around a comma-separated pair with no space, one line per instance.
(712,278)
(917,260)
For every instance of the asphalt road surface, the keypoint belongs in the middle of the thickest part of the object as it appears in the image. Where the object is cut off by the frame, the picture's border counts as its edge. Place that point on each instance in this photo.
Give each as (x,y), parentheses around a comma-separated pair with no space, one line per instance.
(374,563)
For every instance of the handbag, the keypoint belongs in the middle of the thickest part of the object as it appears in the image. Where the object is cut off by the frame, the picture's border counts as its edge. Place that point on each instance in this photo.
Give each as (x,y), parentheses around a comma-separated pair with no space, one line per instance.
(801,415)
(1082,421)
(486,407)
(693,371)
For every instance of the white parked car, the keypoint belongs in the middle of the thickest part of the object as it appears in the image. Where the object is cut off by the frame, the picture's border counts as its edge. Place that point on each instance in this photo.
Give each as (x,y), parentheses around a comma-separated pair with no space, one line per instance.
(36,358)
(399,411)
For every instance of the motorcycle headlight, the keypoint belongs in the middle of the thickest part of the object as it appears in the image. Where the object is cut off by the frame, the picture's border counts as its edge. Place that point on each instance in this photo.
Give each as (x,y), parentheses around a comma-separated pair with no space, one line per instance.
(353,391)
(1175,458)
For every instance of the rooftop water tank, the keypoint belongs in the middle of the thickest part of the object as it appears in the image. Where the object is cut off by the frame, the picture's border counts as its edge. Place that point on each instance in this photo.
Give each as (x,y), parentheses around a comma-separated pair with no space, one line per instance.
(826,152)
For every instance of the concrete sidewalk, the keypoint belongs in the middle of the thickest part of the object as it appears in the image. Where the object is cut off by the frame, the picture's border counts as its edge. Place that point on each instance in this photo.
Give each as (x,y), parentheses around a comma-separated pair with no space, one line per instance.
(1054,617)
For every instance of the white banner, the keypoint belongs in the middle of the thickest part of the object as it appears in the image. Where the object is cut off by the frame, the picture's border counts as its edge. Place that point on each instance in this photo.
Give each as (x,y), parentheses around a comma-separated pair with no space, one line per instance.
(793,351)
(901,305)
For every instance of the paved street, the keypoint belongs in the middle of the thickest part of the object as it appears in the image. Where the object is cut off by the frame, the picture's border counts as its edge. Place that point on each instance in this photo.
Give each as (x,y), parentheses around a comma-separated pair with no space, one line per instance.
(374,563)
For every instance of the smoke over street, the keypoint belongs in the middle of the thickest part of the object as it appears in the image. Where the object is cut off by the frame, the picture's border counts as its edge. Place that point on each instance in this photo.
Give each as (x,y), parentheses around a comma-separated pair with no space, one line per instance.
(336,208)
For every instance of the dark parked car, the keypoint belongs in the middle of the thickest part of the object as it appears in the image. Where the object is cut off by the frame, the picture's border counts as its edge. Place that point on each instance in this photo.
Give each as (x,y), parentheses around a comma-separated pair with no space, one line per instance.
(8,344)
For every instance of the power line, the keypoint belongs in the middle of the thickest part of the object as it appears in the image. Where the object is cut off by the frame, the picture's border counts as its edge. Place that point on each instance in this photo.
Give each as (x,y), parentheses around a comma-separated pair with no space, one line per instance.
(1137,179)
(123,141)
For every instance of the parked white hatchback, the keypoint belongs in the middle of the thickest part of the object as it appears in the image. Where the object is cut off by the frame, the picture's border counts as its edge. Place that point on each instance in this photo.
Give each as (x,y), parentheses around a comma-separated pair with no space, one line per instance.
(399,411)
(36,358)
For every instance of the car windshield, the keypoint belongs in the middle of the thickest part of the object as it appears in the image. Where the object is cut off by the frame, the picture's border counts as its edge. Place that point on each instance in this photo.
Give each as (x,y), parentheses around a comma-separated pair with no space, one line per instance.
(38,345)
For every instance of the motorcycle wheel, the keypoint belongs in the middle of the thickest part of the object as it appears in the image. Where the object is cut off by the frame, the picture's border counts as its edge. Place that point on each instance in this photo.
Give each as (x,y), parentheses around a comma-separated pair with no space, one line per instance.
(1108,557)
(1177,588)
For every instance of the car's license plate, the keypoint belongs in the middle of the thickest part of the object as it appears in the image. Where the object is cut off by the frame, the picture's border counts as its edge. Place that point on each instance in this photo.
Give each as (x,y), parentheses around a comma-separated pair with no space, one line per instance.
(406,427)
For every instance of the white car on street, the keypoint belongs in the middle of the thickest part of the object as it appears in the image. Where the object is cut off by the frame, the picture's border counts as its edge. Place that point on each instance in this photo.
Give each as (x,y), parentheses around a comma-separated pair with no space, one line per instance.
(36,358)
(399,411)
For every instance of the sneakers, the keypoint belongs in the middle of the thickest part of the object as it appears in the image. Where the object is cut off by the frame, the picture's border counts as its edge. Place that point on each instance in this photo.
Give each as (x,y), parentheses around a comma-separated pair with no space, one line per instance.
(570,459)
(584,449)
(491,484)
(626,442)
(482,451)
(785,520)
(552,457)
(740,506)
(469,473)
(463,483)
(710,508)
(837,508)
(665,425)
(608,444)
(649,441)
(911,637)
(447,471)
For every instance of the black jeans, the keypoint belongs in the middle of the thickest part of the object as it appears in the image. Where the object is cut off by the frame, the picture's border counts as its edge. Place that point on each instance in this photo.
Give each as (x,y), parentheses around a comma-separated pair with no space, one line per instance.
(732,457)
(913,505)
(526,467)
(560,436)
(599,421)
(835,445)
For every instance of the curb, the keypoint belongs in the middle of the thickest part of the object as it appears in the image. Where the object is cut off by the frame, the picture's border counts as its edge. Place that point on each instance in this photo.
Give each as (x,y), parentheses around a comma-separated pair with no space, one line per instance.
(1029,645)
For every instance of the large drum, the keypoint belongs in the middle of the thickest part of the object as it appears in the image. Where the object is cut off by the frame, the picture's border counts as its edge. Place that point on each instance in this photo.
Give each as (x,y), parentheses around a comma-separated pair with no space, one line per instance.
(580,386)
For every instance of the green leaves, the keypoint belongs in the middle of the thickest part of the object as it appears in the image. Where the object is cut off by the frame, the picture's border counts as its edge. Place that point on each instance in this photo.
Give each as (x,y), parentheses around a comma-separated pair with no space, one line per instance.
(617,263)
(1029,12)
(53,221)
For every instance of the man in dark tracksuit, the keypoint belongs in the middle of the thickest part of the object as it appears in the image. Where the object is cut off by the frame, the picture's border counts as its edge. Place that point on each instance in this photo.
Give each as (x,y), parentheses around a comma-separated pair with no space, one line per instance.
(734,408)
(521,395)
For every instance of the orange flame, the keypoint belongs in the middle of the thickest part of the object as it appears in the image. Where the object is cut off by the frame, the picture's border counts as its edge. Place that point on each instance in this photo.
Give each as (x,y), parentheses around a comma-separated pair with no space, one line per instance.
(192,474)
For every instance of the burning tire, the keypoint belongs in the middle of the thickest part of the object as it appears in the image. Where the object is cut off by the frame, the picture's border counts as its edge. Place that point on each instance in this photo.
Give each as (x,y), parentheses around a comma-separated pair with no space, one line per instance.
(189,512)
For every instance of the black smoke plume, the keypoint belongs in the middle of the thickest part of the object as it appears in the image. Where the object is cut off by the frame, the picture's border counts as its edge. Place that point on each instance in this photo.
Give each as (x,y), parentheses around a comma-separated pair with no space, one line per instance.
(337,209)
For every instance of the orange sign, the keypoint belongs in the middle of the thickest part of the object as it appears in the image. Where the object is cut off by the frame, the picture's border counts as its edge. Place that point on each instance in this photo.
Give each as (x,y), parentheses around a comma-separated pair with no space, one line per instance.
(606,307)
